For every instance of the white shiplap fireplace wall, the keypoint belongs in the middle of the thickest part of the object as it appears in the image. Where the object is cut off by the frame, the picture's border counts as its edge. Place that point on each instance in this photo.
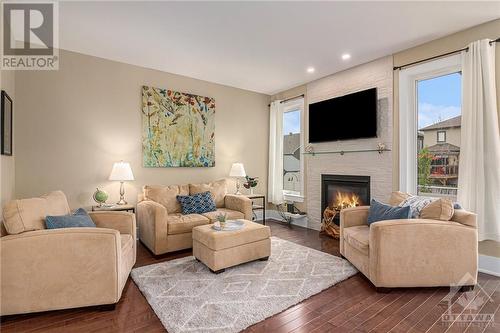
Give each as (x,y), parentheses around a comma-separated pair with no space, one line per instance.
(377,74)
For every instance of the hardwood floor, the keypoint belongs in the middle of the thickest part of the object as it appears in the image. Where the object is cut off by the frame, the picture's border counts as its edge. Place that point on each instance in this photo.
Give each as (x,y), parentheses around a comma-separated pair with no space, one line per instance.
(350,306)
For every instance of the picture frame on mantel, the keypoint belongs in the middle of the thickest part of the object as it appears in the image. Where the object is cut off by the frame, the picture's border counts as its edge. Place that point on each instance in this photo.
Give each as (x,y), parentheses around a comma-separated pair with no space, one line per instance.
(6,122)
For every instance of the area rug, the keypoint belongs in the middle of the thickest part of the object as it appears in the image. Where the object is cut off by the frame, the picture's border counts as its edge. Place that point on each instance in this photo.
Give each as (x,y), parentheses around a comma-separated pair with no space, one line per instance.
(187,297)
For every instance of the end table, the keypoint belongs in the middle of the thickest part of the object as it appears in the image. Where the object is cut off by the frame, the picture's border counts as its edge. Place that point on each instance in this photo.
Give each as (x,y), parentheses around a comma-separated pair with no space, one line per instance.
(258,206)
(126,208)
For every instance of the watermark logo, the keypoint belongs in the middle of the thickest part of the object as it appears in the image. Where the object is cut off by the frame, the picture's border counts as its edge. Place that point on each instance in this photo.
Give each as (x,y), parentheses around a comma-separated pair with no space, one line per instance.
(472,308)
(30,38)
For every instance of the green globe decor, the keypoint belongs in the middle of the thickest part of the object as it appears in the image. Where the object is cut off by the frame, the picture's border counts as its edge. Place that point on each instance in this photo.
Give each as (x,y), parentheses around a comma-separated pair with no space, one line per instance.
(100,197)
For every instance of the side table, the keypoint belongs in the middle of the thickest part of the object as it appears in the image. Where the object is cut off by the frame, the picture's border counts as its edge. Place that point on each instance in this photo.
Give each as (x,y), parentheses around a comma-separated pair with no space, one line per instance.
(126,208)
(258,206)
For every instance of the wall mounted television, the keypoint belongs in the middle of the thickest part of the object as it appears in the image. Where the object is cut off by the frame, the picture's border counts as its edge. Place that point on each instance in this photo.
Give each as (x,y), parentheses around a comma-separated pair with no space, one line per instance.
(346,117)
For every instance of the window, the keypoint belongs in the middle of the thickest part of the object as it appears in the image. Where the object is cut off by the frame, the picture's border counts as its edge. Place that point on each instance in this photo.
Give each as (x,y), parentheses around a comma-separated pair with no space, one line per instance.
(441,136)
(430,118)
(292,150)
(439,108)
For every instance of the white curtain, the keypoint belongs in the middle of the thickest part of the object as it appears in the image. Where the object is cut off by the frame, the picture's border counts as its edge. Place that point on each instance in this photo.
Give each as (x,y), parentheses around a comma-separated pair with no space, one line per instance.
(275,177)
(479,169)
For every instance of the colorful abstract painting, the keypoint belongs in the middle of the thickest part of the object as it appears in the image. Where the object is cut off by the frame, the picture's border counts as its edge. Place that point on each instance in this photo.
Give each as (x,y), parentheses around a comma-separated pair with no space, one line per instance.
(178,129)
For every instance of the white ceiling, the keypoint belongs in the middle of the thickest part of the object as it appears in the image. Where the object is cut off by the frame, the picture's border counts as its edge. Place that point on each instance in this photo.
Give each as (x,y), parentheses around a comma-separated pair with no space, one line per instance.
(260,46)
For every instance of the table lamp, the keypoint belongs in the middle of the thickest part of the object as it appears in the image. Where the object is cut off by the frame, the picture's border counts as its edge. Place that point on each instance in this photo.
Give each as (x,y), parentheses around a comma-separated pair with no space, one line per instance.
(122,172)
(237,171)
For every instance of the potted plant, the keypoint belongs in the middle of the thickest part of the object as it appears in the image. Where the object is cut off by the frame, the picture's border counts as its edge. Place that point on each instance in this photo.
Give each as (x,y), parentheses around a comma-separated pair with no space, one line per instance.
(222,220)
(250,183)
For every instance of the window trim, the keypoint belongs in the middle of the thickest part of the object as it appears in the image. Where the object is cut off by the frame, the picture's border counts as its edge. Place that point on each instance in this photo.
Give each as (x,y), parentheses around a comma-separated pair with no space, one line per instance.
(408,112)
(289,107)
(437,137)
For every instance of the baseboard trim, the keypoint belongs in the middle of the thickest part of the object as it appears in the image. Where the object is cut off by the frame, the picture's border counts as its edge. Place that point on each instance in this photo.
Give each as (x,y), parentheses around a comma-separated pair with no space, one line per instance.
(489,265)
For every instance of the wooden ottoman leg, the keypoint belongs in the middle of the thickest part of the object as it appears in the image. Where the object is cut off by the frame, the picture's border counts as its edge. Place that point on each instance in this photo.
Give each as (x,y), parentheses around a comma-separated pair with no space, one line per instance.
(264,259)
(218,272)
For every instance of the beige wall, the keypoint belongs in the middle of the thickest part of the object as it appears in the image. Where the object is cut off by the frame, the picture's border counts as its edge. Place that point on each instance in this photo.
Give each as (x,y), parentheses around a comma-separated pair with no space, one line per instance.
(7,163)
(72,124)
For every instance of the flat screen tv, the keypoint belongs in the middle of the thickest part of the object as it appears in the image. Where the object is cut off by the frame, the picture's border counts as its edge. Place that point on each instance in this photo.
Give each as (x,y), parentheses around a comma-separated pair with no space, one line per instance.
(346,117)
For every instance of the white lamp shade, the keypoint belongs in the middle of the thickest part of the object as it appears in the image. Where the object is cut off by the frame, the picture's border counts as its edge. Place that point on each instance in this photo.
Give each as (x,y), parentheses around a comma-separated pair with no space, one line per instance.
(121,171)
(237,170)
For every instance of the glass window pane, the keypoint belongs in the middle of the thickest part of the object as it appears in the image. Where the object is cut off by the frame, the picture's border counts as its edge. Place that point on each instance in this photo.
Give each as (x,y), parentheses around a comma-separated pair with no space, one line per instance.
(438,137)
(291,151)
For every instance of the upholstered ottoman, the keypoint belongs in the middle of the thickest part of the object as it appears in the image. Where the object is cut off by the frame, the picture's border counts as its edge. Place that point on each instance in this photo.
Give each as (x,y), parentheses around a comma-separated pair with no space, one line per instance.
(222,249)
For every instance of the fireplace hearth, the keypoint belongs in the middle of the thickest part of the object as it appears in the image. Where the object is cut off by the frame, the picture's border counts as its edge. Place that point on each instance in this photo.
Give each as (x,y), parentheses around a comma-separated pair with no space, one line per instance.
(342,191)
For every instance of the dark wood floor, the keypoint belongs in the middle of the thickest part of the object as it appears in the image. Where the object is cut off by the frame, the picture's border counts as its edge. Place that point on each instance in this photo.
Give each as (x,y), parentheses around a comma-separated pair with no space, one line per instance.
(350,306)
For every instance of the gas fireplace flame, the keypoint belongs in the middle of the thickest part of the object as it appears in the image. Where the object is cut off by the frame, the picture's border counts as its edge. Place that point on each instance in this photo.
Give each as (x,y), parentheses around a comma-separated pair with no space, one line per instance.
(345,200)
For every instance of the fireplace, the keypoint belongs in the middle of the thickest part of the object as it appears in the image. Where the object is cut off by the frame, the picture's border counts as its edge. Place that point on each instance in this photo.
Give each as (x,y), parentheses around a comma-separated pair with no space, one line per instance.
(341,191)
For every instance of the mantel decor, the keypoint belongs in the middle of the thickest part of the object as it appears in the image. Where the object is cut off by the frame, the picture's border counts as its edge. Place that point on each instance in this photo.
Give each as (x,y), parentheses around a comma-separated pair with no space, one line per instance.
(381,148)
(6,121)
(178,129)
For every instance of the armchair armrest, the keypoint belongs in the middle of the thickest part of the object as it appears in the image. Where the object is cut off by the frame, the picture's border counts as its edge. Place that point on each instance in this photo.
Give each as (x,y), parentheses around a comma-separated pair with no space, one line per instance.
(153,227)
(465,217)
(422,252)
(350,217)
(239,203)
(59,268)
(122,221)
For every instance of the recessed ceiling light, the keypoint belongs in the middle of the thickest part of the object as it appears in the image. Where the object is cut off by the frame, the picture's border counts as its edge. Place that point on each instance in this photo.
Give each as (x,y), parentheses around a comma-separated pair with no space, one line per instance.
(310,69)
(346,56)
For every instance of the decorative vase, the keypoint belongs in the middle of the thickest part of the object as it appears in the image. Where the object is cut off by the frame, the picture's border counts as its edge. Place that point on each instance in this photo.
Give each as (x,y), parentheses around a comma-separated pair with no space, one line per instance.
(251,190)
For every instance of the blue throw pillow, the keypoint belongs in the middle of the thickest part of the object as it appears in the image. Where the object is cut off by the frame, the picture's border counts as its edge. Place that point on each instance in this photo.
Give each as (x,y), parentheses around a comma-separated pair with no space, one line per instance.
(79,219)
(198,203)
(380,212)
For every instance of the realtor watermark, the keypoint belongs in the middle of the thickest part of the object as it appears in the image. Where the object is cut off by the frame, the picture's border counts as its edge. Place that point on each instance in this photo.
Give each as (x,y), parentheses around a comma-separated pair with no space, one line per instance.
(472,308)
(30,38)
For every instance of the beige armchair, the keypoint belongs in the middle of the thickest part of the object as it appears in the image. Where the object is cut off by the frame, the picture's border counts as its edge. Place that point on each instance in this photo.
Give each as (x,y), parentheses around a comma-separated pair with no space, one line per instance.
(162,227)
(411,252)
(55,269)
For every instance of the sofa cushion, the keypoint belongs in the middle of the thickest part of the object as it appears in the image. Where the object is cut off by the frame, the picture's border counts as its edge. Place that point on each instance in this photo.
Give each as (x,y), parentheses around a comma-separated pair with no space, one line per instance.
(179,224)
(230,214)
(79,219)
(198,203)
(440,209)
(218,189)
(166,195)
(381,212)
(358,237)
(29,214)
(219,240)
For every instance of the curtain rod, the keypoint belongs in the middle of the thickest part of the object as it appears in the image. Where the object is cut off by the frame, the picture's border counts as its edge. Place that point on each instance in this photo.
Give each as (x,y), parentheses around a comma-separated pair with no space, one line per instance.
(439,56)
(290,99)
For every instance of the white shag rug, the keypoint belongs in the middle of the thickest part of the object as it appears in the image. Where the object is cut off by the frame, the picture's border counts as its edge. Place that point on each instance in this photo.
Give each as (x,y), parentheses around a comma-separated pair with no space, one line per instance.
(187,297)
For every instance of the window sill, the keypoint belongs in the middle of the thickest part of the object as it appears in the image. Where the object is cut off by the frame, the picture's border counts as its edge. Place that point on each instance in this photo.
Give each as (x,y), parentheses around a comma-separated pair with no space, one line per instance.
(293,197)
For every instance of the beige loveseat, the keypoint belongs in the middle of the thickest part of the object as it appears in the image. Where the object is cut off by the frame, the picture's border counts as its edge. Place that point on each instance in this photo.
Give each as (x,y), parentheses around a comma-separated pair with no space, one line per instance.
(55,269)
(162,227)
(411,252)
